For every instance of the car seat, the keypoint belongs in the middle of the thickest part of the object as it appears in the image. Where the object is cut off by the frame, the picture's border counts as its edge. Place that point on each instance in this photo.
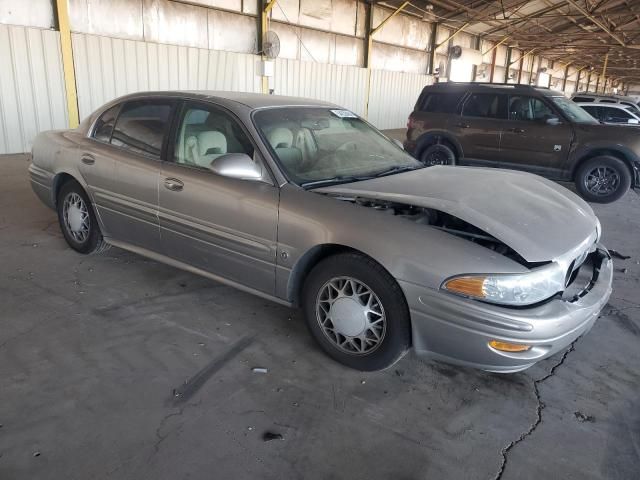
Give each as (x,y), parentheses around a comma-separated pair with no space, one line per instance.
(281,139)
(204,147)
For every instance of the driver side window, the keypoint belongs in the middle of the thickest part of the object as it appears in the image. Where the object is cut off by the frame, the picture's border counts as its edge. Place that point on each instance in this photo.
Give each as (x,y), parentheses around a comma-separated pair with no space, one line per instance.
(205,134)
(528,109)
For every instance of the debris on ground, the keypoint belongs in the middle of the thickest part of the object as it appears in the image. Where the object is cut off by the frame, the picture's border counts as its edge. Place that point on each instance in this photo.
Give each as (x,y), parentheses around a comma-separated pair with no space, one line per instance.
(583,417)
(259,370)
(616,254)
(400,373)
(623,270)
(268,436)
(36,454)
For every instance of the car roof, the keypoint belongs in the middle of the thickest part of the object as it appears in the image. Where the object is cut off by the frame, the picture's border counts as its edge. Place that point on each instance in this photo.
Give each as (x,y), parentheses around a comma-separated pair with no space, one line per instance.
(250,100)
(619,106)
(488,87)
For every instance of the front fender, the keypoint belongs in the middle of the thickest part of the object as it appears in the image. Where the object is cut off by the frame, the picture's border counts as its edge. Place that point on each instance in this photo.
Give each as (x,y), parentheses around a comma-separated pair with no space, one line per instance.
(407,250)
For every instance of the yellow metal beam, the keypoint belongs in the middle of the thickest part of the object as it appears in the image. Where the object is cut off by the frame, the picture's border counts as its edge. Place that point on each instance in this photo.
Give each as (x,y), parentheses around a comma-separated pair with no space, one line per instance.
(393,14)
(504,39)
(453,35)
(264,27)
(604,71)
(67,63)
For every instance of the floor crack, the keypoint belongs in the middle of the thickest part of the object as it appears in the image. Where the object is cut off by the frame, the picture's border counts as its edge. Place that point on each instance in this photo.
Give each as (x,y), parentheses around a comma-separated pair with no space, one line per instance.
(539,407)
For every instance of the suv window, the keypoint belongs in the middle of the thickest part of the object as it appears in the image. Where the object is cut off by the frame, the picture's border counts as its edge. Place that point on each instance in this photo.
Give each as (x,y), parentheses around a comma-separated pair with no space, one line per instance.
(582,99)
(605,100)
(441,102)
(206,133)
(591,110)
(487,105)
(616,115)
(142,125)
(528,108)
(104,126)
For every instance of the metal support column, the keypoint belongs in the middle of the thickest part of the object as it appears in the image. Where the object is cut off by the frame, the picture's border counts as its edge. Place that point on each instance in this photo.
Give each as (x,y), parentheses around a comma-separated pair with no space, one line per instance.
(66,47)
(432,52)
(564,79)
(493,65)
(604,72)
(506,70)
(265,8)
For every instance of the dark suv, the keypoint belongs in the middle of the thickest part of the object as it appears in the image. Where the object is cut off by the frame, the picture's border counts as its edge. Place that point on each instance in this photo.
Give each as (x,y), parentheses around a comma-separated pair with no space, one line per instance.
(524,128)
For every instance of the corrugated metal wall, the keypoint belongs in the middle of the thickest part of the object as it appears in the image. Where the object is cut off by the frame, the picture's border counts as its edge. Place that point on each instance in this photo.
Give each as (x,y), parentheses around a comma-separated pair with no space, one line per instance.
(108,67)
(32,95)
(343,85)
(393,96)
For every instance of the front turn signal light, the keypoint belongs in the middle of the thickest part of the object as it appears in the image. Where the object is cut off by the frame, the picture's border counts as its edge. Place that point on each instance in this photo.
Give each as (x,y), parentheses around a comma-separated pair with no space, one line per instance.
(509,347)
(468,286)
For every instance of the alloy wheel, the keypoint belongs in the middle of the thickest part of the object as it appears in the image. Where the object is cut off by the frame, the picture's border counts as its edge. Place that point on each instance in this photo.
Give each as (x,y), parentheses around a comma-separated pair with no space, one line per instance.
(602,181)
(351,316)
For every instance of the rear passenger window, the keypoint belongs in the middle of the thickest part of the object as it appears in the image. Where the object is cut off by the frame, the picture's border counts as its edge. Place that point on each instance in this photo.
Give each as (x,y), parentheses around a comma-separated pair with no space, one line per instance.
(441,102)
(591,110)
(141,127)
(487,105)
(104,125)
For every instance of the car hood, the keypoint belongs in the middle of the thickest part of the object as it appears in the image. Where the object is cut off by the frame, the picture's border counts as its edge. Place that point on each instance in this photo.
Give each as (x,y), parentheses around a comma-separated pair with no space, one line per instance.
(537,218)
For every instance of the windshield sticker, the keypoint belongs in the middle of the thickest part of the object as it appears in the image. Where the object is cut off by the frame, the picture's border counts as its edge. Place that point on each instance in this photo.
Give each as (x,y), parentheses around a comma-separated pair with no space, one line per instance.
(344,114)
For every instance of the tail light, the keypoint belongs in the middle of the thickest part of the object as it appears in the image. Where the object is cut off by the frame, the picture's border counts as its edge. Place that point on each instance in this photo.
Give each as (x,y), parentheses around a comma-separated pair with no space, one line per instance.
(409,122)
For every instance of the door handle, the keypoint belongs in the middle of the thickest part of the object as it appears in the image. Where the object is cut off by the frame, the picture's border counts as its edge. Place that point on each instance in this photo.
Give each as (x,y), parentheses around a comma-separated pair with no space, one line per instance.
(462,125)
(88,159)
(517,130)
(173,184)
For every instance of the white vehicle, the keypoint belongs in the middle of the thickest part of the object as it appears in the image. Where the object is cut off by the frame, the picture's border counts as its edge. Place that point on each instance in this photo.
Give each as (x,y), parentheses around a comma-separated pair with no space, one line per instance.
(612,113)
(609,99)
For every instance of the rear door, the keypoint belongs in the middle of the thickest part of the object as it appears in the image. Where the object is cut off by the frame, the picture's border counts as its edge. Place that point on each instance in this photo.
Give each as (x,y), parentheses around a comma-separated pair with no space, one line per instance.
(130,208)
(222,225)
(479,127)
(537,138)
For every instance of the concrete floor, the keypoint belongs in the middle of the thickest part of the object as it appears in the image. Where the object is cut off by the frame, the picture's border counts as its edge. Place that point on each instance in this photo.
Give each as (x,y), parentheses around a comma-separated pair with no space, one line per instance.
(92,349)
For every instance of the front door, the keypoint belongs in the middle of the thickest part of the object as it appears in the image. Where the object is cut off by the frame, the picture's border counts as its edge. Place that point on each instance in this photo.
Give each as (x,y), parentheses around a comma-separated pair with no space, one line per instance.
(129,209)
(222,225)
(536,138)
(479,126)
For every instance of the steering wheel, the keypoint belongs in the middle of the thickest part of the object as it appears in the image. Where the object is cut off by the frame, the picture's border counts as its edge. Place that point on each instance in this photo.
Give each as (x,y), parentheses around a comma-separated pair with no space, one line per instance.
(348,147)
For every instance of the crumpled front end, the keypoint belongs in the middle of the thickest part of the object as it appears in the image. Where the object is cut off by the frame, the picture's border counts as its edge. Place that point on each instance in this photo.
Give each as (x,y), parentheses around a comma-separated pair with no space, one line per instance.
(462,331)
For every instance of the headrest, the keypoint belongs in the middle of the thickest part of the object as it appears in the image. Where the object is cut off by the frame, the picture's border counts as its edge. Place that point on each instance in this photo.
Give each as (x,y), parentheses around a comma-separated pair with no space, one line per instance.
(280,137)
(211,142)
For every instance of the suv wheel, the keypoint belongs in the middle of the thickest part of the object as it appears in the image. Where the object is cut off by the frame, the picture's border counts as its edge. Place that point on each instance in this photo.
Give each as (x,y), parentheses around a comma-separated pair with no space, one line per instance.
(357,312)
(438,154)
(603,179)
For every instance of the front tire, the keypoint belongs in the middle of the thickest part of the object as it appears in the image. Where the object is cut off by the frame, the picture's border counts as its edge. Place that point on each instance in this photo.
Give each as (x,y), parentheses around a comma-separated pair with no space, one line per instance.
(438,154)
(78,221)
(357,312)
(603,179)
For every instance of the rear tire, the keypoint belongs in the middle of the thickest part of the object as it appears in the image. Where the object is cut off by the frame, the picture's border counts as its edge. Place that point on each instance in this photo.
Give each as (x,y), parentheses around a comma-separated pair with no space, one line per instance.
(78,220)
(438,154)
(603,179)
(357,312)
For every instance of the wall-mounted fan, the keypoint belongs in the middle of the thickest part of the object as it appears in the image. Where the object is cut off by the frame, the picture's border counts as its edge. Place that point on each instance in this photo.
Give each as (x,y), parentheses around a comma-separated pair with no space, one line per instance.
(271,44)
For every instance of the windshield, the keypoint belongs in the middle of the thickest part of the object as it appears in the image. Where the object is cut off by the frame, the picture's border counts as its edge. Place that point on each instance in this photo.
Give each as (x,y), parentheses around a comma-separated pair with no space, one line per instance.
(574,112)
(321,146)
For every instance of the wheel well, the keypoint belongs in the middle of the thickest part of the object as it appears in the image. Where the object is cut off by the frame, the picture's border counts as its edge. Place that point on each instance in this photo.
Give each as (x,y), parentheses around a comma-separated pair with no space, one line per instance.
(600,152)
(60,180)
(436,140)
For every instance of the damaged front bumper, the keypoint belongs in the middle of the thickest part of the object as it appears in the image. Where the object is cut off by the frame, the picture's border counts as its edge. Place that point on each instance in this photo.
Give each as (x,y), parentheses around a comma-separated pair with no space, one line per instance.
(458,330)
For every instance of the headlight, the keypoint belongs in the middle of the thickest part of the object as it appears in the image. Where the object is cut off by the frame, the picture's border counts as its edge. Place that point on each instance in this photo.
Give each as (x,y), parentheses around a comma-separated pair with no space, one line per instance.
(510,289)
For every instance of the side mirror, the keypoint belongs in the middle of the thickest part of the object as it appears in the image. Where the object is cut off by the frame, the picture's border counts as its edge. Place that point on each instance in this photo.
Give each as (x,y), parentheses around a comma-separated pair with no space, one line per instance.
(237,165)
(553,121)
(398,143)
